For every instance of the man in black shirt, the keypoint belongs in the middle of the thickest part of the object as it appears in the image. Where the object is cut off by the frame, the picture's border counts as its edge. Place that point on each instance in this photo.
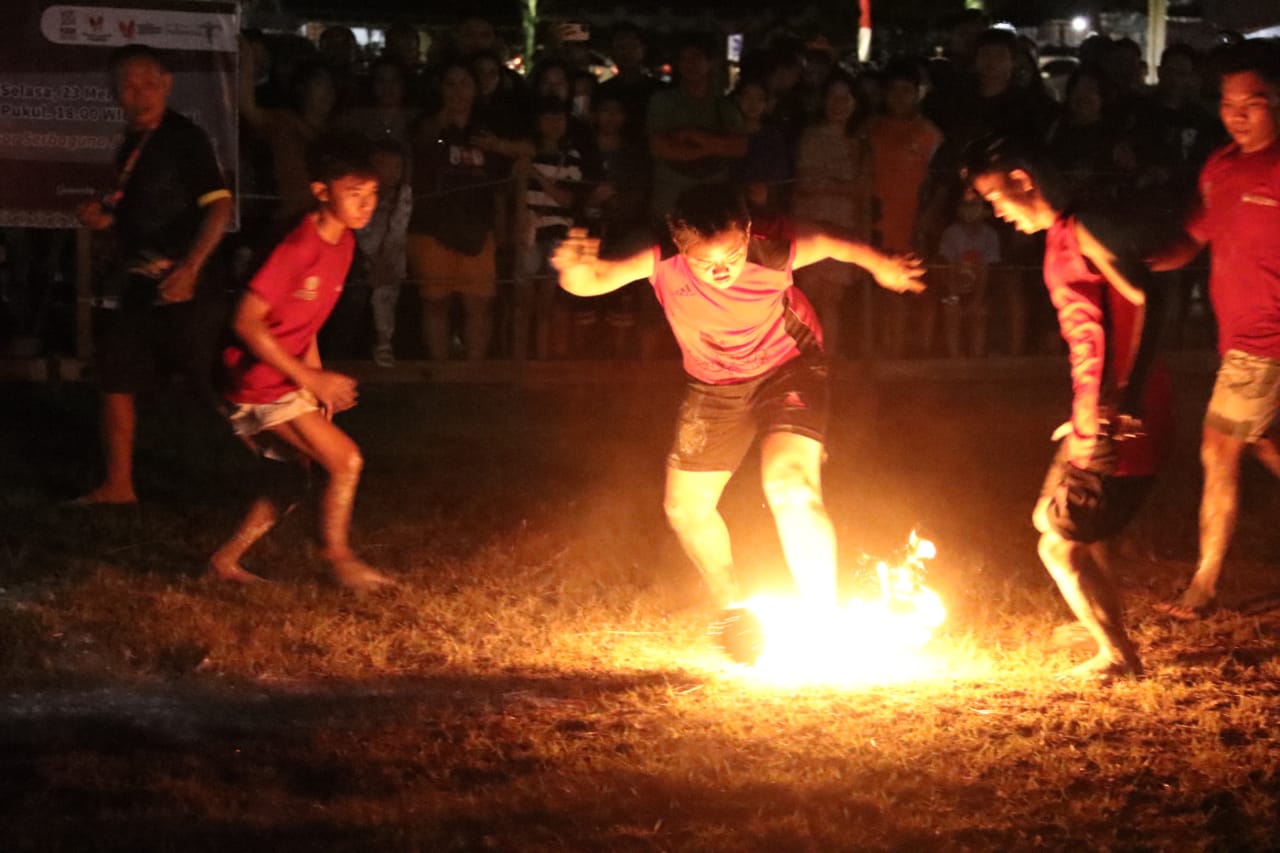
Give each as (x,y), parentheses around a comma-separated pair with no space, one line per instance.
(168,211)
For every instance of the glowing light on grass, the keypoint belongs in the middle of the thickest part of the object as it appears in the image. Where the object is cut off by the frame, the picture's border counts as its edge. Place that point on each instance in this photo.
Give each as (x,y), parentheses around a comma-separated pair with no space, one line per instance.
(867,640)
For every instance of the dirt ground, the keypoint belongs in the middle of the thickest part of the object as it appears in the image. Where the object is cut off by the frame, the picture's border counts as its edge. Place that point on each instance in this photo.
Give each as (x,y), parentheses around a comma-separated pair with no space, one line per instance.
(542,678)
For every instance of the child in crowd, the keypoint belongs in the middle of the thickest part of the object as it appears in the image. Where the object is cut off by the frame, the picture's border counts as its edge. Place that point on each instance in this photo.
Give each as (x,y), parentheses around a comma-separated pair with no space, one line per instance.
(969,246)
(382,245)
(619,212)
(555,190)
(282,398)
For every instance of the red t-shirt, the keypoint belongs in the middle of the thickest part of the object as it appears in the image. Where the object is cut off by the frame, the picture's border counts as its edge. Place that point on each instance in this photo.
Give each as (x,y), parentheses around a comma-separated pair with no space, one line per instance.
(745,330)
(1104,332)
(1239,217)
(301,281)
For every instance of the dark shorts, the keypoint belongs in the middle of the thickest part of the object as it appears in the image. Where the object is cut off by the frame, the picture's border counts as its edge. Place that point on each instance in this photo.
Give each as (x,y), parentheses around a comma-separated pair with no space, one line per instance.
(137,348)
(1088,506)
(718,423)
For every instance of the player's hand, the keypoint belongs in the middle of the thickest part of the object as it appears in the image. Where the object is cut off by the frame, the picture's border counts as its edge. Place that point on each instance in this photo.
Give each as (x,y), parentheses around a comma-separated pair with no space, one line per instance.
(335,391)
(900,273)
(575,250)
(93,215)
(179,285)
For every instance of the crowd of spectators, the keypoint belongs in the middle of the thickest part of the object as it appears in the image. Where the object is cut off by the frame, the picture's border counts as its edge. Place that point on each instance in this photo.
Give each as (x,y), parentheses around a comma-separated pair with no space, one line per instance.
(486,168)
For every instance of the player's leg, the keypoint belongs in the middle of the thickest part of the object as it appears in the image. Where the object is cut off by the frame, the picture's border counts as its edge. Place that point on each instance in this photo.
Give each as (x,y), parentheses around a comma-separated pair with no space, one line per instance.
(1240,412)
(791,467)
(691,503)
(320,440)
(1095,602)
(478,311)
(225,562)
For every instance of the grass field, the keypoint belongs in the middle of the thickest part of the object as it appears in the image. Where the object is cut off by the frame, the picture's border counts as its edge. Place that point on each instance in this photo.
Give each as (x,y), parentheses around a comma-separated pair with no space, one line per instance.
(542,678)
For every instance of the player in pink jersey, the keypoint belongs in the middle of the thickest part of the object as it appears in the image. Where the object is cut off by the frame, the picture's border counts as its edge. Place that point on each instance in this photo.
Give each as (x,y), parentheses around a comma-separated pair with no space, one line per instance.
(752,350)
(1239,218)
(283,399)
(1120,407)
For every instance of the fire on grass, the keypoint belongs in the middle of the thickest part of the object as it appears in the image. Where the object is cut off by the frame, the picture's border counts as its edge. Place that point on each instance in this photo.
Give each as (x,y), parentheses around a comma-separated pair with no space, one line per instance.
(867,640)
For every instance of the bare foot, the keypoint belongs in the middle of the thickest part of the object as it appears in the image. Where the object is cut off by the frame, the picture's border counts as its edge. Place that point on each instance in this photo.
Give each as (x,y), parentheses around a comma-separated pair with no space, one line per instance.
(105,494)
(230,570)
(1072,635)
(1104,669)
(354,573)
(1190,608)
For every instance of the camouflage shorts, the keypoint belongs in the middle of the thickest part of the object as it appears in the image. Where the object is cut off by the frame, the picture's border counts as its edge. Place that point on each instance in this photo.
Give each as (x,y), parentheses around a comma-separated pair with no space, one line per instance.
(1246,396)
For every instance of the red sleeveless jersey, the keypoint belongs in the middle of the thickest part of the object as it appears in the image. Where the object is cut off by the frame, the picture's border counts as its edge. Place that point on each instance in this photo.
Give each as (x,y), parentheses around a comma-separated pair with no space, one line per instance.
(1103,332)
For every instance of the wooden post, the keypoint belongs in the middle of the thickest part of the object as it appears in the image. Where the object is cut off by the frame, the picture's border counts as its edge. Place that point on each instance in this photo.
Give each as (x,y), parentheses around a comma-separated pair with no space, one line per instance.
(1157,28)
(84,295)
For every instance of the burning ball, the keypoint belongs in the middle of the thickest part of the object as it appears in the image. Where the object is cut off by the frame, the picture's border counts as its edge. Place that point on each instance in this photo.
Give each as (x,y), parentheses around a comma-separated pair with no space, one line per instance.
(740,633)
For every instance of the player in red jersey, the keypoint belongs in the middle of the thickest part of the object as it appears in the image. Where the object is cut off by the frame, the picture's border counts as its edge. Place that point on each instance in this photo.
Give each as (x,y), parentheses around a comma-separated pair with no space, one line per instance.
(1120,413)
(1239,218)
(282,397)
(752,349)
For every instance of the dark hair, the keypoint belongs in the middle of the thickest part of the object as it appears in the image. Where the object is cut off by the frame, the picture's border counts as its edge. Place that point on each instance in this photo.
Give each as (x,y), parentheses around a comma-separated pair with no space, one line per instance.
(630,29)
(991,155)
(387,146)
(1259,56)
(340,154)
(997,37)
(904,68)
(550,105)
(839,76)
(705,210)
(702,42)
(307,71)
(130,52)
(1180,49)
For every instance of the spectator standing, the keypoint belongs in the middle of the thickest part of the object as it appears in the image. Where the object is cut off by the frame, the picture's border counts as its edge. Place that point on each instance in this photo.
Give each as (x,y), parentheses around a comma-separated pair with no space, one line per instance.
(382,245)
(969,248)
(459,167)
(835,181)
(621,217)
(385,114)
(168,212)
(903,142)
(765,171)
(558,179)
(695,132)
(290,131)
(632,86)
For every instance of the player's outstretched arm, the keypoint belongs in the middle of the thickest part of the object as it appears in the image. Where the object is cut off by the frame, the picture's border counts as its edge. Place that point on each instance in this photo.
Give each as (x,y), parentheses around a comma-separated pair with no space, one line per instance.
(584,273)
(901,273)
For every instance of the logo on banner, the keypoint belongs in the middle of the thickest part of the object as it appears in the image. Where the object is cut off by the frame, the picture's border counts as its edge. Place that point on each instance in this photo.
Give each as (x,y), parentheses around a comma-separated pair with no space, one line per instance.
(162,28)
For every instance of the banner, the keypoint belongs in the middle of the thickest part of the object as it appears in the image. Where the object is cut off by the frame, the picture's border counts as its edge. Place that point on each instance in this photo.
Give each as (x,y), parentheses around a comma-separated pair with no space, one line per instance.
(60,124)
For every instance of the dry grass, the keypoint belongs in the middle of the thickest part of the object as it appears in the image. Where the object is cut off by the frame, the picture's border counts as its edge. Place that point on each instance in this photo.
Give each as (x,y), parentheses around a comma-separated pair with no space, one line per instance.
(541,680)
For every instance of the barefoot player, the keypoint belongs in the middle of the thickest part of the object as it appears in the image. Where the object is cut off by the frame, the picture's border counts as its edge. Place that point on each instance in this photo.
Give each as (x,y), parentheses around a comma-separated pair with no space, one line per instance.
(752,350)
(1239,218)
(283,398)
(1119,416)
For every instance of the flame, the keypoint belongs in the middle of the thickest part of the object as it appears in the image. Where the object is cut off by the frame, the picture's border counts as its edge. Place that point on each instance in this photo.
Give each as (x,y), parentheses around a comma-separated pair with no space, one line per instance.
(866,640)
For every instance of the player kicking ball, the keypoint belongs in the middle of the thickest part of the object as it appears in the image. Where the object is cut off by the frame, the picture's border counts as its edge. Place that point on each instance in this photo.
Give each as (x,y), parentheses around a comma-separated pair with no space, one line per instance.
(1120,410)
(283,400)
(752,349)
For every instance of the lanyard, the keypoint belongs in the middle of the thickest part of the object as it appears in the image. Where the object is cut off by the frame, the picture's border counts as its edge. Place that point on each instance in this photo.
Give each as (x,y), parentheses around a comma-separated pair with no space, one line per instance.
(113,200)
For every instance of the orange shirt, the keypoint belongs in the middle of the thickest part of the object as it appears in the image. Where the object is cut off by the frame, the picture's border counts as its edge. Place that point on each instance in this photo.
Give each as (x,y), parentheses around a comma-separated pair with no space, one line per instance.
(902,149)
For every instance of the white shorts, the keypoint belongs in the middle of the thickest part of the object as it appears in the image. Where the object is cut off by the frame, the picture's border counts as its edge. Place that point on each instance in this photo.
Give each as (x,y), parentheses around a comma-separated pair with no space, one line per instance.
(1246,395)
(252,418)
